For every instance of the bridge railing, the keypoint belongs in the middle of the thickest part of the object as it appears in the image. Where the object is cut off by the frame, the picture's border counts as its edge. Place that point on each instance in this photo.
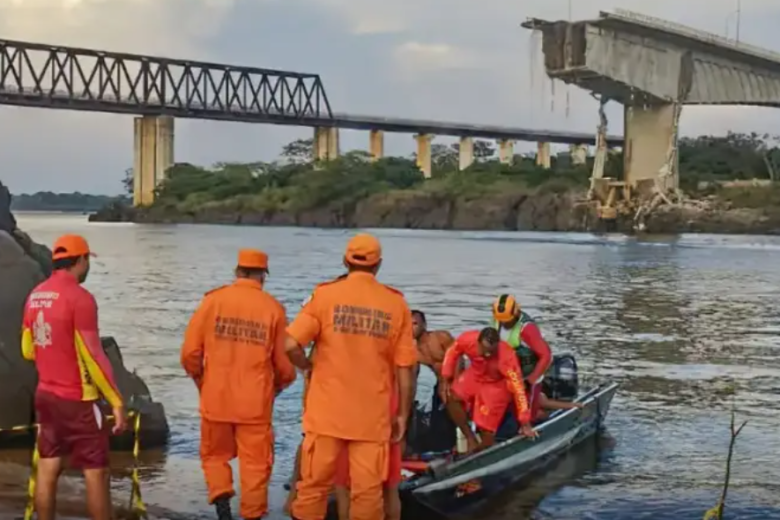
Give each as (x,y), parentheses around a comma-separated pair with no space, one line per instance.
(86,77)
(691,32)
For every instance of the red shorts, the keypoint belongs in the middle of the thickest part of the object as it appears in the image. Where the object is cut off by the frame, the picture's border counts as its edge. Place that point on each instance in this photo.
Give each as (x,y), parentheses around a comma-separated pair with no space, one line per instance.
(487,401)
(74,429)
(394,463)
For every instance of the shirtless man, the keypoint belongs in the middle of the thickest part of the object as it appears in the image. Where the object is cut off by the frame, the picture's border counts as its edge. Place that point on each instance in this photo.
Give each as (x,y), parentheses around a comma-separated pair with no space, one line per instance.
(431,345)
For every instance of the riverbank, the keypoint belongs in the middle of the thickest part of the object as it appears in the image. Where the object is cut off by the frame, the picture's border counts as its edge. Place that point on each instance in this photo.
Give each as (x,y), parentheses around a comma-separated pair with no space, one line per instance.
(731,211)
(354,191)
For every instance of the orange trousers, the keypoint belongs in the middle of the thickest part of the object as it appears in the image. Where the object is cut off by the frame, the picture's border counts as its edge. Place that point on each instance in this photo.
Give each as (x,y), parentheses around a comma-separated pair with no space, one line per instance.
(253,444)
(368,466)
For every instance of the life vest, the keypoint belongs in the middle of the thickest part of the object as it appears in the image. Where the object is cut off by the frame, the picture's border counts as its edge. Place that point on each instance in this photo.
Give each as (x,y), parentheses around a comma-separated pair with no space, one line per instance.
(528,359)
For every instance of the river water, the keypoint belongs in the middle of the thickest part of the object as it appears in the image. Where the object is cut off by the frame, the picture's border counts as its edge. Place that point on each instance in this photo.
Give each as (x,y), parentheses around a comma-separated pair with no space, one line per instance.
(676,321)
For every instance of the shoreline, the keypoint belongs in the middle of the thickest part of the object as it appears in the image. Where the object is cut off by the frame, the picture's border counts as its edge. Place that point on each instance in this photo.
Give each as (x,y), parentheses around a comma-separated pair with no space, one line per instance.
(542,212)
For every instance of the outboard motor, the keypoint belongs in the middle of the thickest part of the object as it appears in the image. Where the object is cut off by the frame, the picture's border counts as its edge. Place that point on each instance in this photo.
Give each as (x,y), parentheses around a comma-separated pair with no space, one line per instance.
(561,381)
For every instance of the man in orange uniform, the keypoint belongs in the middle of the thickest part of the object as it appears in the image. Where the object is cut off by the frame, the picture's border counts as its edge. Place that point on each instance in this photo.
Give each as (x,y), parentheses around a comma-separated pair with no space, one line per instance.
(234,350)
(487,387)
(60,333)
(392,500)
(362,331)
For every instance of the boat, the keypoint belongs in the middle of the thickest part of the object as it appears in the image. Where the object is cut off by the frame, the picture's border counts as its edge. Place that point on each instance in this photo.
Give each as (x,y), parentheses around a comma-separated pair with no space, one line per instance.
(449,485)
(460,486)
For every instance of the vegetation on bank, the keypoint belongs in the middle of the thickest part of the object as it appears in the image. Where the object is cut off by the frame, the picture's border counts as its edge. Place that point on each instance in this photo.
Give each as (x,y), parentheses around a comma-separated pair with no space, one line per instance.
(48,201)
(294,184)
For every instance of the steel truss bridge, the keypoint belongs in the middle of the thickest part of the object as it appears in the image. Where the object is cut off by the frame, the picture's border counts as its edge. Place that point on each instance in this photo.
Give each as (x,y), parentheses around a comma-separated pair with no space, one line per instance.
(58,77)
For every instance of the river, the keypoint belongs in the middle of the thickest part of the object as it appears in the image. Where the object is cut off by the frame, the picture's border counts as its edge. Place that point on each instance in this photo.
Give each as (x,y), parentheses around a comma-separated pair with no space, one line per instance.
(675,321)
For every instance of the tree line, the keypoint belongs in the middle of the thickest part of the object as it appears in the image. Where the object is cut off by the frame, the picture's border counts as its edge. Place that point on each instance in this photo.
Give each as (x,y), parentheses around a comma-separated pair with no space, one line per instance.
(295,181)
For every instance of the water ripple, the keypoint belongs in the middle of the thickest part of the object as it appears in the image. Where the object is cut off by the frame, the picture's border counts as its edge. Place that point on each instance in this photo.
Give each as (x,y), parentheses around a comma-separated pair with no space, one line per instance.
(675,320)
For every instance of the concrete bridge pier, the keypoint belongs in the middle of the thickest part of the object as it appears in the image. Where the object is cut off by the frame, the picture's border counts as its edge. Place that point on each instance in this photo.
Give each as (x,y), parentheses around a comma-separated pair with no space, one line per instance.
(506,151)
(424,153)
(543,155)
(376,144)
(649,131)
(153,155)
(326,143)
(465,153)
(579,154)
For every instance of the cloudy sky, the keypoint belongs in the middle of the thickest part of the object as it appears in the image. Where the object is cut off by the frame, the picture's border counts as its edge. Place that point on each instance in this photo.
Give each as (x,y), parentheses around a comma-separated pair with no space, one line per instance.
(455,60)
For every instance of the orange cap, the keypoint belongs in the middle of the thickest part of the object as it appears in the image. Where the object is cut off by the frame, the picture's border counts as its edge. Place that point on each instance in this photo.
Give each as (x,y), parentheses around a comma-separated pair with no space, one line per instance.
(70,246)
(252,259)
(364,250)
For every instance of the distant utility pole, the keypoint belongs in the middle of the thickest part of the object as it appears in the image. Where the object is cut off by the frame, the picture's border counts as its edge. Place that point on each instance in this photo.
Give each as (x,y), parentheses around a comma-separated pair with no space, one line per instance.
(739,17)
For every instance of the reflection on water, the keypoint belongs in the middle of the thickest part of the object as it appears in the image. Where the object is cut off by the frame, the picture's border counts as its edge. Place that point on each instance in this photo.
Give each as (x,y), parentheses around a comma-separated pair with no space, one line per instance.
(673,320)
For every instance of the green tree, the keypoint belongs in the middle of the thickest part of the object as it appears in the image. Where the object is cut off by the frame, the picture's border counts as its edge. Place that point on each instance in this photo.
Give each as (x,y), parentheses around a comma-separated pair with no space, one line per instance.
(127,182)
(299,151)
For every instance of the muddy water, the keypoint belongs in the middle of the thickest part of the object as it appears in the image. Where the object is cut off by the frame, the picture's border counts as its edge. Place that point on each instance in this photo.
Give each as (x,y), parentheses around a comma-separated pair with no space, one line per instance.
(675,321)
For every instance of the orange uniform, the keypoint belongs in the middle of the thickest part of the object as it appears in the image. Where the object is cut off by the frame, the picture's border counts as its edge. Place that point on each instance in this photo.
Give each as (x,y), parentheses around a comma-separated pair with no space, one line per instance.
(234,350)
(363,331)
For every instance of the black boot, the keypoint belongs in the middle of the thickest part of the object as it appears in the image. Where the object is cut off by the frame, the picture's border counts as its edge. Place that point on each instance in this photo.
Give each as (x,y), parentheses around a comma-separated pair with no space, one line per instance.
(222,505)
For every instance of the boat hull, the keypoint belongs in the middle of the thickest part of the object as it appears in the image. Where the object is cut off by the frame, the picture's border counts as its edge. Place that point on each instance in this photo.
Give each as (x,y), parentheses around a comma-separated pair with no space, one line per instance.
(467,485)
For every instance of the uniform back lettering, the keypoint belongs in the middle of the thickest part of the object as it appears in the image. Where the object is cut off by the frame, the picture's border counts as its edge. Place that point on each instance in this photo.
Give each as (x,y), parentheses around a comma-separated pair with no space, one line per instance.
(239,330)
(362,321)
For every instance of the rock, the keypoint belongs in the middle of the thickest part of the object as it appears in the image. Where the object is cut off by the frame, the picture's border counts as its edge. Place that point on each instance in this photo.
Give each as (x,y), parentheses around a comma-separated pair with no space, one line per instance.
(7,220)
(23,265)
(113,212)
(19,274)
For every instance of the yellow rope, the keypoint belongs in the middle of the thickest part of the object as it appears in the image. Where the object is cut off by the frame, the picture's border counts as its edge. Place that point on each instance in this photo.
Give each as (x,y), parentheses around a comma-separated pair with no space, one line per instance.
(136,502)
(713,513)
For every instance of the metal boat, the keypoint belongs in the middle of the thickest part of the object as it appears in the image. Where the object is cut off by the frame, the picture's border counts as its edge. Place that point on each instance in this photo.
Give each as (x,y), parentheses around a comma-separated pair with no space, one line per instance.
(461,486)
(445,484)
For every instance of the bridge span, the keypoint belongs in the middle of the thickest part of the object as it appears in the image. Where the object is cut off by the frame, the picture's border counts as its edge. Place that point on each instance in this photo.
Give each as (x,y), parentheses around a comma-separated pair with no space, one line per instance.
(157,90)
(654,67)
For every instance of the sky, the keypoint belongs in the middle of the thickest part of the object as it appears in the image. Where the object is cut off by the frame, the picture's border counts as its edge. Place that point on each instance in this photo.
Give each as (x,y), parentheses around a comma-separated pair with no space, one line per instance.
(451,60)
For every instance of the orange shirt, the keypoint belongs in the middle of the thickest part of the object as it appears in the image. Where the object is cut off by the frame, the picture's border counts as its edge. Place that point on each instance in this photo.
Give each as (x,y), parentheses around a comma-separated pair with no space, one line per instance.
(504,365)
(362,331)
(234,349)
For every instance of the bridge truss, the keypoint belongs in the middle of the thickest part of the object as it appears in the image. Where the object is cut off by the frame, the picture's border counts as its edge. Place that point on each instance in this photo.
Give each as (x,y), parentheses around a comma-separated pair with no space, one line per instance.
(47,76)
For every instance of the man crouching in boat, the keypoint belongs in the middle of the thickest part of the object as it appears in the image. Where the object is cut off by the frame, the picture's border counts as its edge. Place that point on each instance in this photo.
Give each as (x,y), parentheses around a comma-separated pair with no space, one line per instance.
(486,388)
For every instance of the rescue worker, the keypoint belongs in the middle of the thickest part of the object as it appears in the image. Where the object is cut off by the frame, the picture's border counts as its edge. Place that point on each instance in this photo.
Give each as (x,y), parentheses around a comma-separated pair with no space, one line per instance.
(486,387)
(234,351)
(60,333)
(296,475)
(392,500)
(362,331)
(521,332)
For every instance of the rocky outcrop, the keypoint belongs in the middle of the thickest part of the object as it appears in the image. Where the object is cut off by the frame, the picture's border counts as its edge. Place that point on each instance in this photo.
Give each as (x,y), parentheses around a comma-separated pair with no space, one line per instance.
(23,265)
(116,211)
(412,209)
(535,210)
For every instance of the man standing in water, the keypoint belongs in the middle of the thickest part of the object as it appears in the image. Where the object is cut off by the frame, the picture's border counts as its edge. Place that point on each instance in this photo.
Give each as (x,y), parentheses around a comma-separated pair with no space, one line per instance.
(234,351)
(60,333)
(364,346)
